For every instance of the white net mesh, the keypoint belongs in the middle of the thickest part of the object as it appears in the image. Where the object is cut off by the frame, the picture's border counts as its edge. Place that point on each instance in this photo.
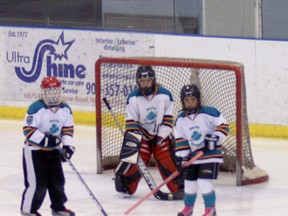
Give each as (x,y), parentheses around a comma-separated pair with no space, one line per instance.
(222,86)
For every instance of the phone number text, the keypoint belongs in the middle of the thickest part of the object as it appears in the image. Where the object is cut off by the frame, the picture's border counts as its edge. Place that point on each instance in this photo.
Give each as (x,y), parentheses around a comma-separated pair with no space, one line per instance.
(112,89)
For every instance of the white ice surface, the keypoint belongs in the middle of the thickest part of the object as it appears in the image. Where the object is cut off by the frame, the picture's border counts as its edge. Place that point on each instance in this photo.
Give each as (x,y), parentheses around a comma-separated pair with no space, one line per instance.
(270,198)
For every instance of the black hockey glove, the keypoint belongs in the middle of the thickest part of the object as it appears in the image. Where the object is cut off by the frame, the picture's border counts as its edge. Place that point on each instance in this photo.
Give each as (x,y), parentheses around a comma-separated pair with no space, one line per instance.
(66,152)
(50,141)
(180,162)
(211,141)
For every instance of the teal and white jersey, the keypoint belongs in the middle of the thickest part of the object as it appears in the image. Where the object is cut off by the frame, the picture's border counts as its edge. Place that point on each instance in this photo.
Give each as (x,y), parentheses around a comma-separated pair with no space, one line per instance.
(152,114)
(41,120)
(191,128)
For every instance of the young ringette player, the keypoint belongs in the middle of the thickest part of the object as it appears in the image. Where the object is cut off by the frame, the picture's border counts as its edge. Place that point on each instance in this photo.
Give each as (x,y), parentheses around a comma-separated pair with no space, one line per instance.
(148,113)
(48,124)
(199,128)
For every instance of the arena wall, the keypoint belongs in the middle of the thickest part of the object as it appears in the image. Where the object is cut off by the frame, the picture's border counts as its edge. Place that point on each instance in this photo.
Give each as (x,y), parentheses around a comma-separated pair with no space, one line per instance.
(28,54)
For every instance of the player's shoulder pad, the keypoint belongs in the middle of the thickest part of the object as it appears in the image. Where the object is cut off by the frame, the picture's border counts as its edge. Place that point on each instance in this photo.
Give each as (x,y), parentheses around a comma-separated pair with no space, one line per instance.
(162,90)
(181,114)
(65,105)
(36,106)
(210,111)
(134,93)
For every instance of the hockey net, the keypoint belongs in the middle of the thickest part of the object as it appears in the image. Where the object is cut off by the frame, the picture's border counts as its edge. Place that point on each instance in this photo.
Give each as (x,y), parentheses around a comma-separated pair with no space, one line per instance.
(222,86)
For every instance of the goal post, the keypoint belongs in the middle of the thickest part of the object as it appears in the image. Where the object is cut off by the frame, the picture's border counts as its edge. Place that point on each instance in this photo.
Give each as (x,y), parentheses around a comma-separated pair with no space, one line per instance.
(222,85)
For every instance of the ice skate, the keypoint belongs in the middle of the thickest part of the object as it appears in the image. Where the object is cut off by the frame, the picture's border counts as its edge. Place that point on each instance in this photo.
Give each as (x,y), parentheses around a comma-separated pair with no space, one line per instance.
(210,212)
(30,214)
(123,195)
(187,211)
(65,212)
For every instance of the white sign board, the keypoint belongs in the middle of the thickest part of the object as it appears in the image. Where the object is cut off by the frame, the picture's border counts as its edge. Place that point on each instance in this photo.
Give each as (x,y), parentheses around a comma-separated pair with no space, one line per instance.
(29,54)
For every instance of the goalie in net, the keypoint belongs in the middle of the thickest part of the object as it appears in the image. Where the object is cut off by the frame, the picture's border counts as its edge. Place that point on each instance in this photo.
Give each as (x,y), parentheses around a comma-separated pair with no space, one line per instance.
(149,113)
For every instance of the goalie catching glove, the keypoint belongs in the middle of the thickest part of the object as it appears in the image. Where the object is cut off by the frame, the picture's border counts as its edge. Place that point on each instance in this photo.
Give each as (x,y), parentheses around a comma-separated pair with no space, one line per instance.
(66,152)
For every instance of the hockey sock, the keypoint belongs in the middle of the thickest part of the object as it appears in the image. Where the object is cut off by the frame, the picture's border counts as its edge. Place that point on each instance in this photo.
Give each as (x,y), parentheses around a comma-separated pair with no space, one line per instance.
(209,199)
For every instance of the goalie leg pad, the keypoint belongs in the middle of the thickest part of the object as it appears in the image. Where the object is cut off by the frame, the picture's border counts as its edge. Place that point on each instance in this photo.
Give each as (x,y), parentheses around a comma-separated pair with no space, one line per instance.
(165,160)
(128,183)
(121,185)
(129,179)
(122,168)
(127,174)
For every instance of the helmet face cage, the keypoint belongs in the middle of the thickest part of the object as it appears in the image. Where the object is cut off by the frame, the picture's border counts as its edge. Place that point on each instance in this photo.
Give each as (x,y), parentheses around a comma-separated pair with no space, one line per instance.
(51,91)
(146,72)
(190,90)
(51,96)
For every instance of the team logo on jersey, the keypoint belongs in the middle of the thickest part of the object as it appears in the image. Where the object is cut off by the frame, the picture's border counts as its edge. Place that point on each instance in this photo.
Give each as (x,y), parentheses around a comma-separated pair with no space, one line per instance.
(196,138)
(29,120)
(151,115)
(54,128)
(196,135)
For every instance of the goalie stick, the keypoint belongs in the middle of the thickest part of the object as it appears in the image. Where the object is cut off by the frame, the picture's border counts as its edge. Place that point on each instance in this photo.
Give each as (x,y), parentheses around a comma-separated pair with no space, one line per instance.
(143,168)
(170,178)
(87,188)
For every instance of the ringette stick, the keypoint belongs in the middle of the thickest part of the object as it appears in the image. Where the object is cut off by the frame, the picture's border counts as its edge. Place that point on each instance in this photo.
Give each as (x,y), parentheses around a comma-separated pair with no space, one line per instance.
(87,188)
(171,177)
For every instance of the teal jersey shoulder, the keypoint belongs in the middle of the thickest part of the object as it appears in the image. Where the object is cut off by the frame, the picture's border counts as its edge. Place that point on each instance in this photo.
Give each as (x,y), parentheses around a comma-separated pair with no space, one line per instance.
(134,93)
(210,111)
(63,105)
(204,110)
(36,106)
(162,90)
(181,114)
(39,104)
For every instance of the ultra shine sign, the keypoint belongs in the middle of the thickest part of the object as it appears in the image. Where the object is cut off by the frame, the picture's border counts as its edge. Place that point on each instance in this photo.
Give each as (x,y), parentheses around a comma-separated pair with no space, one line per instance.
(29,54)
(52,51)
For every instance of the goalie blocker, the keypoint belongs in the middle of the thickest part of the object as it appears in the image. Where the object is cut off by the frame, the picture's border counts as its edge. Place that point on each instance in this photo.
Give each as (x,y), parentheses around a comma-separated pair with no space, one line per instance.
(127,175)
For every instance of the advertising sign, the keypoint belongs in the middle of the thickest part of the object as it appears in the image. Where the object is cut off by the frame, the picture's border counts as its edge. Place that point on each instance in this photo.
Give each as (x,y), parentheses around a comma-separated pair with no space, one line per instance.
(29,54)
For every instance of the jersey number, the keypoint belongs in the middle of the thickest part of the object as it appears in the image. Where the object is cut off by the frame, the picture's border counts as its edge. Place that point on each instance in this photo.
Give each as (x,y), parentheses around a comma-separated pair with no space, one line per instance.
(156,128)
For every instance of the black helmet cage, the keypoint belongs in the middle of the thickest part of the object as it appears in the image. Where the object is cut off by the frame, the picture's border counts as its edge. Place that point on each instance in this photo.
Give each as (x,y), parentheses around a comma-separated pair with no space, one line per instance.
(143,72)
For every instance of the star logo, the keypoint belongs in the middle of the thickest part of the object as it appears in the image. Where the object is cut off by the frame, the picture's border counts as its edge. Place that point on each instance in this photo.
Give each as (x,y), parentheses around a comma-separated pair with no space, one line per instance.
(61,47)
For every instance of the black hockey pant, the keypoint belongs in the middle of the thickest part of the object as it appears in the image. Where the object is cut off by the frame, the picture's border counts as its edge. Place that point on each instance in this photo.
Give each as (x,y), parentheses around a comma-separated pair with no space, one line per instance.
(42,172)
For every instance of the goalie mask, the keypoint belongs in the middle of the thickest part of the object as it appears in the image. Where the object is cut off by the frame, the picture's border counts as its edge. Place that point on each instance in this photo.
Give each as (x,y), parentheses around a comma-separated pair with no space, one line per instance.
(146,80)
(51,91)
(190,90)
